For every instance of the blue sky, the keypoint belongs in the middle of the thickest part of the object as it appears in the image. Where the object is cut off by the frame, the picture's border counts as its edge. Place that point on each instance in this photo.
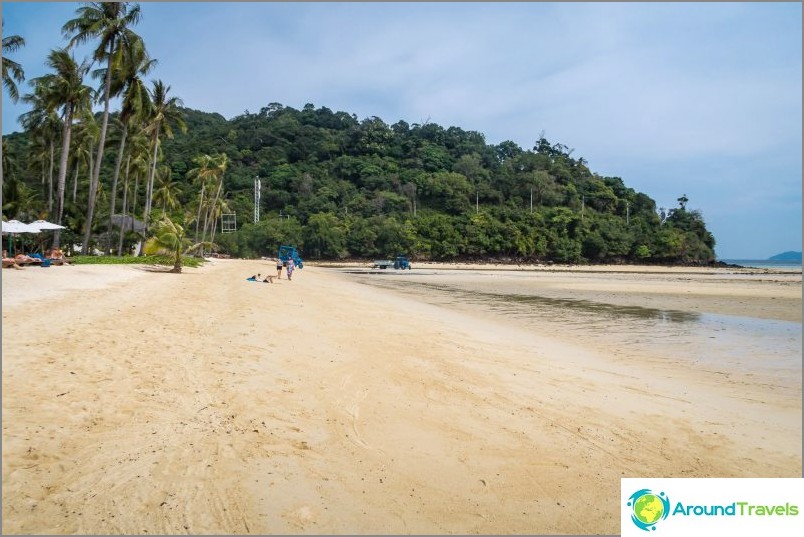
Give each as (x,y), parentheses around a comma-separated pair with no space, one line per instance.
(702,99)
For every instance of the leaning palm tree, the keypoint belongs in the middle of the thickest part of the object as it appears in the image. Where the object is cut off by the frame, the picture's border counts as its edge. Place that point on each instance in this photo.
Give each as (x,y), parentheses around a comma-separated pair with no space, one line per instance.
(204,176)
(221,163)
(165,113)
(109,23)
(170,238)
(12,71)
(65,91)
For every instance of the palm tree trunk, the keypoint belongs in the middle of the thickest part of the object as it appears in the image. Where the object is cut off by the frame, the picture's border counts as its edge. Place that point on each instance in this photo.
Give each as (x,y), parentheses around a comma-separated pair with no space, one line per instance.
(150,185)
(125,208)
(65,150)
(114,182)
(75,180)
(50,177)
(198,216)
(93,188)
(214,207)
(93,182)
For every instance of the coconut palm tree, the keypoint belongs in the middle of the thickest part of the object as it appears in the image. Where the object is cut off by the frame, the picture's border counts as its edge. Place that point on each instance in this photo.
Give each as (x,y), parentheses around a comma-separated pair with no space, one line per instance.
(136,103)
(221,162)
(165,113)
(166,191)
(109,23)
(170,238)
(203,175)
(136,166)
(85,138)
(65,91)
(12,71)
(44,125)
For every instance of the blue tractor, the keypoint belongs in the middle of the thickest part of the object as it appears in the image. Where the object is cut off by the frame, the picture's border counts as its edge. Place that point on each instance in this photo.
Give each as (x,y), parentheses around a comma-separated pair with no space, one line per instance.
(289,252)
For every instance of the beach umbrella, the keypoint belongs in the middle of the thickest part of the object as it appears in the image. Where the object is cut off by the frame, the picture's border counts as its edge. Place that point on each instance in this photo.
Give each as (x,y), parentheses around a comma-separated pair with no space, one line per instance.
(43,225)
(14,227)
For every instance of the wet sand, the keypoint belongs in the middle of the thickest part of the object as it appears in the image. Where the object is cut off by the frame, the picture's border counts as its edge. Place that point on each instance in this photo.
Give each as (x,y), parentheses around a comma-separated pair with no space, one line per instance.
(435,400)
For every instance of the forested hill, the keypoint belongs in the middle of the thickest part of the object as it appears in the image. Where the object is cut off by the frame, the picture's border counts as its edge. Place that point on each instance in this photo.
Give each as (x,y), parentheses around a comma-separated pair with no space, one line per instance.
(337,187)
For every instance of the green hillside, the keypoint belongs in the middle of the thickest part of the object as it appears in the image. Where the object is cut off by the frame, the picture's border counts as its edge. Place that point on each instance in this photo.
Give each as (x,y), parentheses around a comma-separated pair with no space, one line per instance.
(337,187)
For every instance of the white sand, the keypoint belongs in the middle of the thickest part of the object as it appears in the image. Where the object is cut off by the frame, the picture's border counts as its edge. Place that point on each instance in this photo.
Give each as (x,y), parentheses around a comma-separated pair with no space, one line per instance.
(138,402)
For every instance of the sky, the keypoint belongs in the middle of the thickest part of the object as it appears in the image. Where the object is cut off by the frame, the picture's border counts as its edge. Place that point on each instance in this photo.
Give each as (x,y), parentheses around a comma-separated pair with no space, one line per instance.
(702,99)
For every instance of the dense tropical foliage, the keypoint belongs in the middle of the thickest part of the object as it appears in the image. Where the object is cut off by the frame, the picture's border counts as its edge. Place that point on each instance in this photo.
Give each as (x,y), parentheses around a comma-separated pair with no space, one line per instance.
(332,184)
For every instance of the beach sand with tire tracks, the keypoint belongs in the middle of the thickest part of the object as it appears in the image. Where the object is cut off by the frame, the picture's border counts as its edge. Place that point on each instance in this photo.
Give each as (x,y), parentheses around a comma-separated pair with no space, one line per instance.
(445,399)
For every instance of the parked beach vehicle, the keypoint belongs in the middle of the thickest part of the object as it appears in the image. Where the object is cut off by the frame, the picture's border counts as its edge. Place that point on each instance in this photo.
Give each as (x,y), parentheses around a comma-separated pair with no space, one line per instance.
(401,262)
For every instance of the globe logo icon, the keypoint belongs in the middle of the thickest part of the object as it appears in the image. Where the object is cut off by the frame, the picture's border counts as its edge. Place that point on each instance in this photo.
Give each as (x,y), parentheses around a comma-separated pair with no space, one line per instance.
(648,508)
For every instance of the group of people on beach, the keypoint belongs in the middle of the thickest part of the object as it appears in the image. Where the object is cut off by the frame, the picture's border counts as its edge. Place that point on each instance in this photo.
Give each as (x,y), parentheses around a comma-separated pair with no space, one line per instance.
(288,265)
(52,256)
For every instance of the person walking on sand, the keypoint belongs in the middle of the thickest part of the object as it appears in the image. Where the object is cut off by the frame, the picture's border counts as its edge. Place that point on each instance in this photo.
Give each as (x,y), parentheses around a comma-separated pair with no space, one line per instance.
(279,268)
(291,266)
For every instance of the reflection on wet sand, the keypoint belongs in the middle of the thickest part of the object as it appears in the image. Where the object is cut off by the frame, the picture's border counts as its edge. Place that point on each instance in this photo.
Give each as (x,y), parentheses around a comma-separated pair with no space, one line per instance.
(714,341)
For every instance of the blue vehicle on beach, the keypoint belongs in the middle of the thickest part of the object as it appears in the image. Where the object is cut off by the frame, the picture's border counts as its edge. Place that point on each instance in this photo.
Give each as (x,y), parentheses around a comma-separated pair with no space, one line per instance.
(400,263)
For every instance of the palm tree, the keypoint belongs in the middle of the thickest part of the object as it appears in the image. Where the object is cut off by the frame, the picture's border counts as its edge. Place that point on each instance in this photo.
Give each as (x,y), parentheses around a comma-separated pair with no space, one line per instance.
(65,91)
(204,175)
(165,113)
(136,164)
(135,107)
(171,239)
(109,22)
(166,191)
(12,71)
(85,138)
(221,163)
(44,125)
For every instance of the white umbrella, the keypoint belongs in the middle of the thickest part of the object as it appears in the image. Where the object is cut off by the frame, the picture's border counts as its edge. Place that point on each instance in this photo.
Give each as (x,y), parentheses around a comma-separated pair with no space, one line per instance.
(42,225)
(15,226)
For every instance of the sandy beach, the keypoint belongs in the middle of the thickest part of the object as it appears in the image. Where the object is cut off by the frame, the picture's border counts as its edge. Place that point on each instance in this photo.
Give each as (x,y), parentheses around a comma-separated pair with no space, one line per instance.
(445,399)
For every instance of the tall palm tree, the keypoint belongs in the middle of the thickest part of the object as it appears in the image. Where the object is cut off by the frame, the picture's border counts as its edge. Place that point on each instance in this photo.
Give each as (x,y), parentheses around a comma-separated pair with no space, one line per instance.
(109,23)
(165,113)
(136,165)
(135,107)
(44,125)
(66,91)
(221,161)
(12,71)
(86,136)
(203,175)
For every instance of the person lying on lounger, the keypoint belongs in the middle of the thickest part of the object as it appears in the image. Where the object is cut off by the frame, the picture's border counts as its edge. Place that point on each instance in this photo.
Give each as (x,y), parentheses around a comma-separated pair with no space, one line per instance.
(24,259)
(9,262)
(56,256)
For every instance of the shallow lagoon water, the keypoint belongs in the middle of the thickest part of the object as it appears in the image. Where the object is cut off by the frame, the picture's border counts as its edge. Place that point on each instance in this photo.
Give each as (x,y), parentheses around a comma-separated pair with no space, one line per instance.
(711,341)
